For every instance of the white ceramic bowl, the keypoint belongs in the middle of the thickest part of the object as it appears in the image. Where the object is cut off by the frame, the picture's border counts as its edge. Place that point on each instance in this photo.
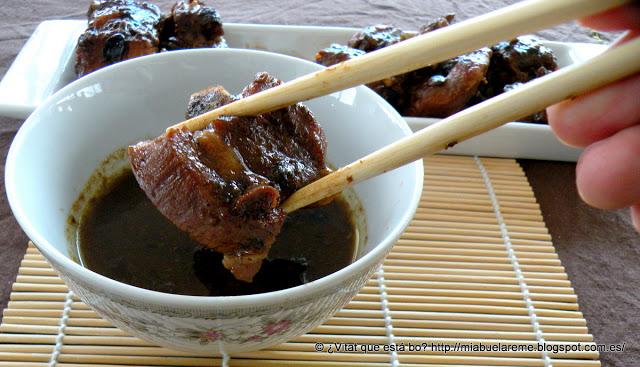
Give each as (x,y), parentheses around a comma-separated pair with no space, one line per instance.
(64,140)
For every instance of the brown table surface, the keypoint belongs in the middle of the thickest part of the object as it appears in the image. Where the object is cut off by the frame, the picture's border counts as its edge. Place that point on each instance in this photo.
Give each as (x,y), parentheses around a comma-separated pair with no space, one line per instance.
(599,250)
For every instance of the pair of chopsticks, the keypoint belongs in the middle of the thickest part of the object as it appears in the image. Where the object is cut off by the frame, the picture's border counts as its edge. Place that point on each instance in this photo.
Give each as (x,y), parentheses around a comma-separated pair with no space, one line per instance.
(431,48)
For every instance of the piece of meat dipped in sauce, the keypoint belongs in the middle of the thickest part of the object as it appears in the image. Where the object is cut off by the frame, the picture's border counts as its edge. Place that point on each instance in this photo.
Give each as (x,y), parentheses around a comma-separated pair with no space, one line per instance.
(118,30)
(223,185)
(192,24)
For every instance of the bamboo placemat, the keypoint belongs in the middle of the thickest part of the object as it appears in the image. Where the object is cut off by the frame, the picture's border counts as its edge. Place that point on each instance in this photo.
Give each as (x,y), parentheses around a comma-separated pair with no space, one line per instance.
(475,267)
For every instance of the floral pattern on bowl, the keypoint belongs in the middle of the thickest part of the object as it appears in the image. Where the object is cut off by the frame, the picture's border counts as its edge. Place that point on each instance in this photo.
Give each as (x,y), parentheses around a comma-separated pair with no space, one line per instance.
(216,332)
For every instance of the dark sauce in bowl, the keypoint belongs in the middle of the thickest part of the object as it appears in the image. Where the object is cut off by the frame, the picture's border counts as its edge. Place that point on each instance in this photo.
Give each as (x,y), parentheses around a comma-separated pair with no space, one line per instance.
(121,235)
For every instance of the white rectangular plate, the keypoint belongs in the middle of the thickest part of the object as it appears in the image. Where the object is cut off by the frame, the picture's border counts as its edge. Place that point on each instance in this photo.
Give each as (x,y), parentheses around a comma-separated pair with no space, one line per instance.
(46,64)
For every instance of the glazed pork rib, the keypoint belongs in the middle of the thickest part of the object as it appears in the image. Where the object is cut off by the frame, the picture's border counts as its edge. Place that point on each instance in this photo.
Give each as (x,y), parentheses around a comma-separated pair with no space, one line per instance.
(513,64)
(445,88)
(452,85)
(118,30)
(191,24)
(224,184)
(397,89)
(123,29)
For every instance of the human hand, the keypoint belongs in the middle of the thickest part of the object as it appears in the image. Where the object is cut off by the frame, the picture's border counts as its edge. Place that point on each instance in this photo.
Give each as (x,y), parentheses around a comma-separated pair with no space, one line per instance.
(607,123)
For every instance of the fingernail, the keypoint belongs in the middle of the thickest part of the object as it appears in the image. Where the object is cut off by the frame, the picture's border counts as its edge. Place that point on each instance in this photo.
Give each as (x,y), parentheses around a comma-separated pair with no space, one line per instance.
(567,144)
(635,217)
(562,109)
(578,165)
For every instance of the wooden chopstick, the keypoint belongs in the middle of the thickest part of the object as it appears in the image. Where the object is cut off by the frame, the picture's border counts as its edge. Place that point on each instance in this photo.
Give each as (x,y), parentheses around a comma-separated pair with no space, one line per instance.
(430,48)
(534,96)
(417,52)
